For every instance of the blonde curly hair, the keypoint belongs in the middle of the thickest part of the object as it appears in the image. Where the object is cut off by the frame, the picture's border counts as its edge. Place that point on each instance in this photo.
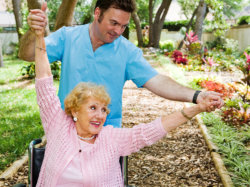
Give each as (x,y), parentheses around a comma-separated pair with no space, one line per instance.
(81,93)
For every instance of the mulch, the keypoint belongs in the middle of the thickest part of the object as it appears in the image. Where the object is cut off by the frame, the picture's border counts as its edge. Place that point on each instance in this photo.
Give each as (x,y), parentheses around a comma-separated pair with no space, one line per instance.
(182,158)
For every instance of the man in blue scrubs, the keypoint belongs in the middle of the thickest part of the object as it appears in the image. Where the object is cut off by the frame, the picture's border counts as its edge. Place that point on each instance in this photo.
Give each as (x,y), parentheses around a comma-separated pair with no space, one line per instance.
(98,52)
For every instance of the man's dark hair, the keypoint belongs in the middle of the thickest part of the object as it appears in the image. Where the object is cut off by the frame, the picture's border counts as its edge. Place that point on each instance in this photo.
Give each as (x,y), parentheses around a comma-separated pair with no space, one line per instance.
(125,5)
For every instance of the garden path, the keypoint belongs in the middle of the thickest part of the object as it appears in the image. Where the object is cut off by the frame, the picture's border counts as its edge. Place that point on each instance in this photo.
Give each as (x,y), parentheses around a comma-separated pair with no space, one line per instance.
(181,158)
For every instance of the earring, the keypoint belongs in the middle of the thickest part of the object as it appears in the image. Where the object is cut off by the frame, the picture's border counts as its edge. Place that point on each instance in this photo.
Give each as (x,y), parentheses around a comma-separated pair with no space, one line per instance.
(75,119)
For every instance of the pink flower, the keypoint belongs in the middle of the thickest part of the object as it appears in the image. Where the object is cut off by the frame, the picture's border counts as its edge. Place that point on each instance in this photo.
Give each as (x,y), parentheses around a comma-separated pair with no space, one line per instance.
(210,61)
(191,37)
(248,57)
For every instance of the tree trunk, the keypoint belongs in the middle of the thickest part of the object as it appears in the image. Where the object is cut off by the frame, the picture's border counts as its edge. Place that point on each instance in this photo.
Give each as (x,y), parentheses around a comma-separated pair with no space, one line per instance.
(200,16)
(18,16)
(150,30)
(1,55)
(126,33)
(136,19)
(65,14)
(158,23)
(35,4)
(188,27)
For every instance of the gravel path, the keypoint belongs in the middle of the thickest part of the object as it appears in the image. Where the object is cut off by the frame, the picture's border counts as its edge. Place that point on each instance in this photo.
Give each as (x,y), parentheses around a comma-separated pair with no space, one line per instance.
(180,159)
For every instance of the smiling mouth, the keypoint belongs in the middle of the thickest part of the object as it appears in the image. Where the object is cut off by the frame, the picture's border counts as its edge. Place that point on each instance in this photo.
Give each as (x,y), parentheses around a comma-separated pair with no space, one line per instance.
(113,35)
(96,124)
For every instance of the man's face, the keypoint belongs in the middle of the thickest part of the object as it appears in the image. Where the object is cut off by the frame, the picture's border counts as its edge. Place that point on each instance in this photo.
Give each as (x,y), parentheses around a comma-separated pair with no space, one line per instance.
(111,24)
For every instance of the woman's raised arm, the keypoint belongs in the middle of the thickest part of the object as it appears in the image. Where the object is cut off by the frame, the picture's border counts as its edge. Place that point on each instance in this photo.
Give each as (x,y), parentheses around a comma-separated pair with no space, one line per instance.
(42,68)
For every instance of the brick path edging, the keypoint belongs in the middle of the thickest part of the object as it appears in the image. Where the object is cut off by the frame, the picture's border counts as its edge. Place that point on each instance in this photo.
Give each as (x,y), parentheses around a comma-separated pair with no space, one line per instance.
(9,172)
(12,170)
(219,164)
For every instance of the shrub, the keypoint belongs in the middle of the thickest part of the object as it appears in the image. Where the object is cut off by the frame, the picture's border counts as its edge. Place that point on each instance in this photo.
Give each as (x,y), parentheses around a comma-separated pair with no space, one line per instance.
(167,45)
(247,50)
(176,54)
(179,58)
(195,48)
(192,43)
(29,70)
(210,61)
(217,43)
(227,91)
(175,25)
(231,46)
(235,112)
(244,20)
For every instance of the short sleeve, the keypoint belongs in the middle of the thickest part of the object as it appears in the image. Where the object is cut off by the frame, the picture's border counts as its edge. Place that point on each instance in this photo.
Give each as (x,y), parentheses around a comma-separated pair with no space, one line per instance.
(55,45)
(138,69)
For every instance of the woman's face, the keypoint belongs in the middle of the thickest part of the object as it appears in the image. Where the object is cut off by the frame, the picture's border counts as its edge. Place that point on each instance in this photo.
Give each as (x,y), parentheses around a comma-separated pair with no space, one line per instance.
(90,117)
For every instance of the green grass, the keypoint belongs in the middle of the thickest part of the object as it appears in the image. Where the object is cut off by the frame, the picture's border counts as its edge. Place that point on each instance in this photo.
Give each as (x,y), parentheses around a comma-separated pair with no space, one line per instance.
(19,114)
(19,123)
(11,70)
(232,146)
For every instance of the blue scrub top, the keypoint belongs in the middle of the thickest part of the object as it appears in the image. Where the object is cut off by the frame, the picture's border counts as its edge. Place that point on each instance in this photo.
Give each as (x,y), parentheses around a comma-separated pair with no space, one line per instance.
(110,65)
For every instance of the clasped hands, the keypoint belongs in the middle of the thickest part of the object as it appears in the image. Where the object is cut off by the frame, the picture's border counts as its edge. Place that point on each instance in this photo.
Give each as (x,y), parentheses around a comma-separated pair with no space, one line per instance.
(210,101)
(37,20)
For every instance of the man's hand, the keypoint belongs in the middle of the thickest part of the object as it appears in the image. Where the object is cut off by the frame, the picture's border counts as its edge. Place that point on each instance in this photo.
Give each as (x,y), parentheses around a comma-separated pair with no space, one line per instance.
(37,19)
(212,99)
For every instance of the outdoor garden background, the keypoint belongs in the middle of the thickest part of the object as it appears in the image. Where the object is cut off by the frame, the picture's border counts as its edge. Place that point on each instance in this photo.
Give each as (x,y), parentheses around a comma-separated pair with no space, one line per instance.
(207,48)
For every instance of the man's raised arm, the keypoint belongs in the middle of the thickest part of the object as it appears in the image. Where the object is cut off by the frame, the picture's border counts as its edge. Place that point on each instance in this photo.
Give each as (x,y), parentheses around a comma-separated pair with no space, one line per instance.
(37,20)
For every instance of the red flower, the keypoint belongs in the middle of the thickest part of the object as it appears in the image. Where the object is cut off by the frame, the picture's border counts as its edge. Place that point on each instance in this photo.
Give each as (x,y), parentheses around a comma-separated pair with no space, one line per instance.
(179,58)
(176,54)
(227,91)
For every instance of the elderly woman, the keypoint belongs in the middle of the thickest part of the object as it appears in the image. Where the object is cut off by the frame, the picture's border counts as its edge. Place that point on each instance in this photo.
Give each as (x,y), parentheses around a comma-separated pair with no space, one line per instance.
(80,151)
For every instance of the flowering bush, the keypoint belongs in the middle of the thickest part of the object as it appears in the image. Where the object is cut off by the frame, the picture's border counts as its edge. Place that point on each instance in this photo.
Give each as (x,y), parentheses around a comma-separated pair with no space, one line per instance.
(247,63)
(179,58)
(226,90)
(193,43)
(191,37)
(245,68)
(210,61)
(236,113)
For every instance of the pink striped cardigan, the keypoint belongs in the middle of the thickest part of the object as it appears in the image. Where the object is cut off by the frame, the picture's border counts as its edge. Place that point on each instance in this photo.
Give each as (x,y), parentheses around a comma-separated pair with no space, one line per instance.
(102,160)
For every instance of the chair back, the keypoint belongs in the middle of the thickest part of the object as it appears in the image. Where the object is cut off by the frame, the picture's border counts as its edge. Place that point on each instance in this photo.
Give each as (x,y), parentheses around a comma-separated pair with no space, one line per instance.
(36,156)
